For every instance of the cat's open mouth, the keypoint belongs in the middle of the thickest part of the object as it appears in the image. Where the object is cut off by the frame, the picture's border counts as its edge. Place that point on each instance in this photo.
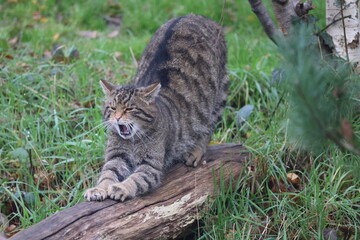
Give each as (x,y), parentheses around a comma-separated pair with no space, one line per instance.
(125,130)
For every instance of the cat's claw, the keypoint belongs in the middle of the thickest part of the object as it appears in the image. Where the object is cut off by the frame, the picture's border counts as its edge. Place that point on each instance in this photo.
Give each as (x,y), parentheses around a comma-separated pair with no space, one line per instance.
(95,194)
(195,158)
(119,192)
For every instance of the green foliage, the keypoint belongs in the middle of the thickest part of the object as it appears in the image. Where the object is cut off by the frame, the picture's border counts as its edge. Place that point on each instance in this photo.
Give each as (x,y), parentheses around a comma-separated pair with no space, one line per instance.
(323,93)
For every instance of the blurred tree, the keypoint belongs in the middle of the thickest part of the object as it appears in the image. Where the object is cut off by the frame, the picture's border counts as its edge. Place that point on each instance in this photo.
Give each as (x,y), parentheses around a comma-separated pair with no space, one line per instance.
(323,89)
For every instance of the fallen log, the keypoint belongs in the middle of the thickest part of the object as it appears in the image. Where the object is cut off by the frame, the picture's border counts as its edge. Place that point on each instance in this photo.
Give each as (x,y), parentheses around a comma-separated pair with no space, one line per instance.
(162,214)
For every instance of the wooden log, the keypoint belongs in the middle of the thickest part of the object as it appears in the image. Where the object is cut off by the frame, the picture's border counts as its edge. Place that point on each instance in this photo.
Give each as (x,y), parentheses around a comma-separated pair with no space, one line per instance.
(163,214)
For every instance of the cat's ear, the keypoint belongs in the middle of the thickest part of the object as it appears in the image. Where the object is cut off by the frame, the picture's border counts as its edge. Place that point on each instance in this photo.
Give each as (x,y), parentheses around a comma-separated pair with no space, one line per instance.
(107,86)
(149,93)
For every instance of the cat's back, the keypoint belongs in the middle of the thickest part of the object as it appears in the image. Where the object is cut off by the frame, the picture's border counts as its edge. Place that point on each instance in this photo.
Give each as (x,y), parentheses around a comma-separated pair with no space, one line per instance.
(187,55)
(191,44)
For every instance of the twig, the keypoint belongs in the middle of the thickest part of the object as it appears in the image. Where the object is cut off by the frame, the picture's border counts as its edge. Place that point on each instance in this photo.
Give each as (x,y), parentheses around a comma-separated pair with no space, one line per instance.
(264,18)
(333,22)
(344,29)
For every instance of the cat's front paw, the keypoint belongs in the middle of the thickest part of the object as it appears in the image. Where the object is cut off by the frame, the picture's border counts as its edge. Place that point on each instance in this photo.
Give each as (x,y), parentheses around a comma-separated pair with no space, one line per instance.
(119,192)
(95,194)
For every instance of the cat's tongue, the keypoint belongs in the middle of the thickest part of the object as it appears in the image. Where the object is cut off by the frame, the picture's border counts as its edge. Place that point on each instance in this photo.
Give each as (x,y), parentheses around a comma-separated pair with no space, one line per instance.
(124,130)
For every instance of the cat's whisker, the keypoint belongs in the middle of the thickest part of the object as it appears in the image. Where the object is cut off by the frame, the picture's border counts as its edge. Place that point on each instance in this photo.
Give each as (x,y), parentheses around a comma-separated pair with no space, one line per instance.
(107,125)
(140,133)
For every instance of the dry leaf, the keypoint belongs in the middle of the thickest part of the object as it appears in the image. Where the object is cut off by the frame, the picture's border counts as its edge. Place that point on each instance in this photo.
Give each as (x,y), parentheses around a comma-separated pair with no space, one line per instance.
(13,41)
(44,178)
(113,34)
(89,34)
(44,19)
(9,56)
(47,54)
(117,55)
(277,186)
(56,36)
(24,65)
(112,20)
(89,104)
(36,15)
(293,178)
(11,230)
(346,130)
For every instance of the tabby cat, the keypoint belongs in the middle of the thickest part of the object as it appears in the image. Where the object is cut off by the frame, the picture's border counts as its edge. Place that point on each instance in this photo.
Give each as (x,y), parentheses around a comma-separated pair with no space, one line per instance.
(169,112)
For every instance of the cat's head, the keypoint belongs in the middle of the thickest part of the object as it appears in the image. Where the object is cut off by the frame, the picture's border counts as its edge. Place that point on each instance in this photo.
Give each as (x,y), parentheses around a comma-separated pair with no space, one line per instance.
(129,110)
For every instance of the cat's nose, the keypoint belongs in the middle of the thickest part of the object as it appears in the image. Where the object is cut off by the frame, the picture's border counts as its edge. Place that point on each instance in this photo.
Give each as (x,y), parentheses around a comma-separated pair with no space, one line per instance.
(118,116)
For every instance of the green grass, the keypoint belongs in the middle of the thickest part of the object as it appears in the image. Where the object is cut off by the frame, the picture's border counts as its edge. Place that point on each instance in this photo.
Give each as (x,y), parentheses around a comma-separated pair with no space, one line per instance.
(51,141)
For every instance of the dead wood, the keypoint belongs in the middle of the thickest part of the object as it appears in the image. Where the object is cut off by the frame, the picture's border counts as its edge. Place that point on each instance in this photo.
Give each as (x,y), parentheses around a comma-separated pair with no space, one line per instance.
(262,14)
(163,214)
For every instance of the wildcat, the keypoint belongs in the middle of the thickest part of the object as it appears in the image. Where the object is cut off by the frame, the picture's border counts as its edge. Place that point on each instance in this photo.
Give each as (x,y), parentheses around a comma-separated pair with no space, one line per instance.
(169,112)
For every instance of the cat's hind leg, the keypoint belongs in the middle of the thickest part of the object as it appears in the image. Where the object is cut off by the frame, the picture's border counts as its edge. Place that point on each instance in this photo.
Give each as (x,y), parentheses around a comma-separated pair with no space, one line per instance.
(195,157)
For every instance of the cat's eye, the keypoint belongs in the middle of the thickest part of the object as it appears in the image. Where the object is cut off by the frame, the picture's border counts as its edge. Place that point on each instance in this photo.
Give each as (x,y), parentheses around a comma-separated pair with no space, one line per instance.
(113,108)
(128,109)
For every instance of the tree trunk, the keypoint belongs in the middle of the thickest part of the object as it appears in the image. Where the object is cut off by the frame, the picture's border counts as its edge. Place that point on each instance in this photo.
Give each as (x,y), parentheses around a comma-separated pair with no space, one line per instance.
(163,214)
(345,29)
(286,11)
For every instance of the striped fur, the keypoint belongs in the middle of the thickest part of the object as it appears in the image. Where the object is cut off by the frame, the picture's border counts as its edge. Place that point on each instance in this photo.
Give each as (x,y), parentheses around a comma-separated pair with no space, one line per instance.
(170,111)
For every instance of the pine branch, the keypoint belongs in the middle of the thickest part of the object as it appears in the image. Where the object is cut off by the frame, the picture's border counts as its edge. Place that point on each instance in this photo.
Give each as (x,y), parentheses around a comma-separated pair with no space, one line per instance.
(341,142)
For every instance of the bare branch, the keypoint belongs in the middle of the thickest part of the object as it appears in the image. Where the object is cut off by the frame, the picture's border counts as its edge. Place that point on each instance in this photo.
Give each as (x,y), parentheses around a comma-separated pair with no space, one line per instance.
(264,18)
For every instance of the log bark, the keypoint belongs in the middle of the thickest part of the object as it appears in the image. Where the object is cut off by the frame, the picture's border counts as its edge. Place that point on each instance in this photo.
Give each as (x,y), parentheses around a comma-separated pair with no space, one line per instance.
(163,214)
